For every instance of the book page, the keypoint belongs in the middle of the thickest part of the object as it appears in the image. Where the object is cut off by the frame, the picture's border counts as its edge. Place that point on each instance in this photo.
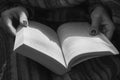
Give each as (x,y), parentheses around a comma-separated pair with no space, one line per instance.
(41,38)
(75,40)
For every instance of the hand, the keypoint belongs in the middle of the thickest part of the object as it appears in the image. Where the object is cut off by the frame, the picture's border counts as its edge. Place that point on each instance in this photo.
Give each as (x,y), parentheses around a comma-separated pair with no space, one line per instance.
(100,17)
(19,13)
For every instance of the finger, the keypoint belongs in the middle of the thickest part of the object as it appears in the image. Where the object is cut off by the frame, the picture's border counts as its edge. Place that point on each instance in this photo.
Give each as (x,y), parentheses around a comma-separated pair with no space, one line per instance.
(12,29)
(8,23)
(108,28)
(108,31)
(7,19)
(12,13)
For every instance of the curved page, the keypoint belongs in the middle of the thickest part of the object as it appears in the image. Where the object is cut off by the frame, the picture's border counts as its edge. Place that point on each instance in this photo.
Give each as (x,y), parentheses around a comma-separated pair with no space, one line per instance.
(75,40)
(42,39)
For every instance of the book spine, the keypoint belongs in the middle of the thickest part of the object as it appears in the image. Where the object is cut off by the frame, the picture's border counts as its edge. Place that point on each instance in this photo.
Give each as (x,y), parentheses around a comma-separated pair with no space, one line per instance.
(22,68)
(14,75)
(34,72)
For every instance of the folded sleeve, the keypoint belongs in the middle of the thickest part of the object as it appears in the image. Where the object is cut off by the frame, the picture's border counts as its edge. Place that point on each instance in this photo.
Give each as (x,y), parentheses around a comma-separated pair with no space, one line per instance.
(95,3)
(7,4)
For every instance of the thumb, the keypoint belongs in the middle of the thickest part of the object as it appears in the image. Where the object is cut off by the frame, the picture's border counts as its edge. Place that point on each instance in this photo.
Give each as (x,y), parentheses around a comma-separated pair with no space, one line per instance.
(94,29)
(23,19)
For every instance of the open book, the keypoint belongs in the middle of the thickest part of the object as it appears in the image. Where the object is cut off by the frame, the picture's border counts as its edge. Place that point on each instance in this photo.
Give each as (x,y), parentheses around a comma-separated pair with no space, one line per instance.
(60,51)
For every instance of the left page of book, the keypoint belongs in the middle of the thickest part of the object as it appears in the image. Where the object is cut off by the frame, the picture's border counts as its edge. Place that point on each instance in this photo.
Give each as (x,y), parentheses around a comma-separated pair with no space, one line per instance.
(44,40)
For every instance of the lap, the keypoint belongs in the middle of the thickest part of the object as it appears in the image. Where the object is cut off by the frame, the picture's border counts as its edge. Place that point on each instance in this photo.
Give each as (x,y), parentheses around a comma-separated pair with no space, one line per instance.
(81,71)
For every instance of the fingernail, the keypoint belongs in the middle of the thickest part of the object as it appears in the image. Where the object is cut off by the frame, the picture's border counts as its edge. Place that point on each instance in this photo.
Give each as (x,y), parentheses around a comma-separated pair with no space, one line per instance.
(93,32)
(25,23)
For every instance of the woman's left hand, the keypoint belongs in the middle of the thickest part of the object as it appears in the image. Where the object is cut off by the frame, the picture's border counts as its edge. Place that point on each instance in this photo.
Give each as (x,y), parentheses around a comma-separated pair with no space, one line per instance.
(100,17)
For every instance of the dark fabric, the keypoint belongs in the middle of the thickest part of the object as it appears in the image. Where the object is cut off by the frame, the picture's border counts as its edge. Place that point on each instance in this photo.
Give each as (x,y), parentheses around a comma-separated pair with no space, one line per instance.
(5,53)
(28,69)
(48,4)
(55,17)
(102,68)
(64,13)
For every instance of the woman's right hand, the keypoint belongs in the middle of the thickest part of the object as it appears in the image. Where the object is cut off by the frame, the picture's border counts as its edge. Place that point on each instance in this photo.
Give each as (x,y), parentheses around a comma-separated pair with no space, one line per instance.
(19,13)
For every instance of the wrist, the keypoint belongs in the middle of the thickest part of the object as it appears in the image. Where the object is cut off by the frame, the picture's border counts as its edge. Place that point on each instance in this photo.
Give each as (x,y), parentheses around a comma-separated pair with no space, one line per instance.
(98,11)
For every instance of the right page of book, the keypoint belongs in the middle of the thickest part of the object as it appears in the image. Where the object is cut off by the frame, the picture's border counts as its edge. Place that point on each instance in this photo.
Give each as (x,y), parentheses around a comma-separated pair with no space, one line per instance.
(76,42)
